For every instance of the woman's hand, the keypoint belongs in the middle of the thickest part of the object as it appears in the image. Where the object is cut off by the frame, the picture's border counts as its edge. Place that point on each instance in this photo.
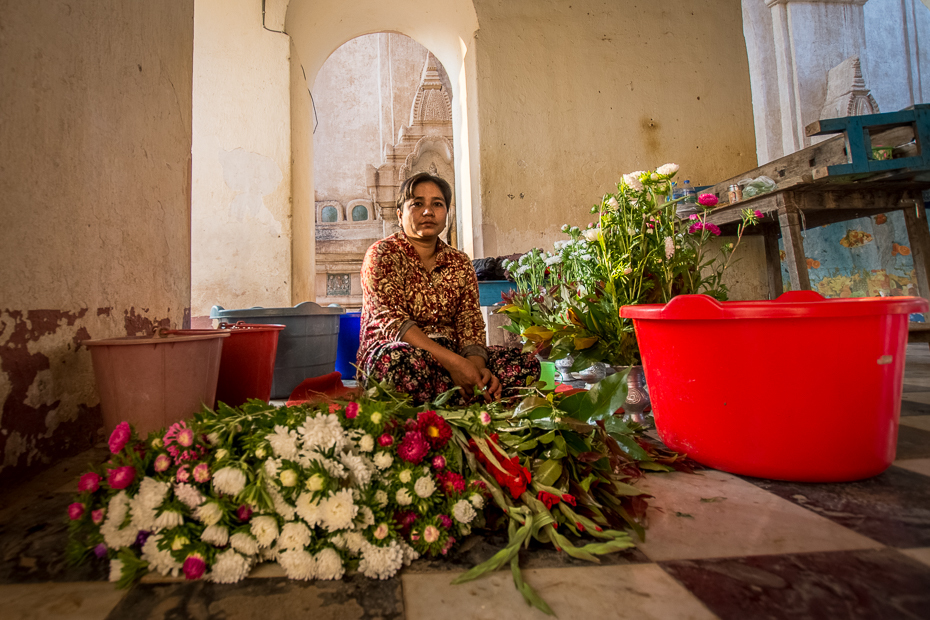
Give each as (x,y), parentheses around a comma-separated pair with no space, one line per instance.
(490,385)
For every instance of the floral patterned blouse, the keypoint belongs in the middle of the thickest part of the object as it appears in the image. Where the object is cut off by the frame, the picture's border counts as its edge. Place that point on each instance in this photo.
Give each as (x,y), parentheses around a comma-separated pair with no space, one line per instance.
(398,293)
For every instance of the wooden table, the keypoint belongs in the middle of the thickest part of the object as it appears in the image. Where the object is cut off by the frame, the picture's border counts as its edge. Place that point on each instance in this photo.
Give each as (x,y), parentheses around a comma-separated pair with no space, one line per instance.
(834,181)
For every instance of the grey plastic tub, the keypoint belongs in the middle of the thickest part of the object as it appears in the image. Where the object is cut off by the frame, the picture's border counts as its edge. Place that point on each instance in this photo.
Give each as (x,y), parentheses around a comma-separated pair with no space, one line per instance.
(307,345)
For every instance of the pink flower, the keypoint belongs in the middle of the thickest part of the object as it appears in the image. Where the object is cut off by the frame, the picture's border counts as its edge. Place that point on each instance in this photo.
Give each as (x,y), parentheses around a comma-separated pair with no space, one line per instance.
(119,437)
(186,438)
(194,566)
(382,531)
(351,411)
(162,462)
(75,511)
(244,513)
(202,472)
(183,474)
(385,440)
(89,482)
(97,516)
(179,441)
(713,228)
(121,477)
(694,216)
(696,227)
(439,461)
(485,418)
(100,550)
(434,428)
(413,447)
(448,545)
(759,214)
(451,482)
(431,534)
(445,521)
(707,200)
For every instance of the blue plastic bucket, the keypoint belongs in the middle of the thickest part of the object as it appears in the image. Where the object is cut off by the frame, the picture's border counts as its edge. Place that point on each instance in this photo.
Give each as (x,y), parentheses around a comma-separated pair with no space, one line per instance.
(347,349)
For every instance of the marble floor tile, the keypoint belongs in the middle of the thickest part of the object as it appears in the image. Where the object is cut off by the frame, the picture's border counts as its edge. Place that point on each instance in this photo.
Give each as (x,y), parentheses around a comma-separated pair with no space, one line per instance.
(892,508)
(641,592)
(921,554)
(268,599)
(53,601)
(921,466)
(863,584)
(715,514)
(917,421)
(913,443)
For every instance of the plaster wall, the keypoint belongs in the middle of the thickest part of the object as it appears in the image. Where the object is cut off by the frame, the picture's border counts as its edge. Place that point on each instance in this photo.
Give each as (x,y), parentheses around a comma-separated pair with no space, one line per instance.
(572,95)
(95,143)
(303,251)
(241,205)
(896,66)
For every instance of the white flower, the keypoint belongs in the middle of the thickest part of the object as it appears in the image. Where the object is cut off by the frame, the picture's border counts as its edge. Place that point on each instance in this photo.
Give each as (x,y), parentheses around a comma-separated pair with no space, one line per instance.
(354,542)
(553,260)
(405,476)
(280,505)
(476,500)
(209,513)
(627,271)
(308,509)
(381,497)
(168,519)
(116,569)
(424,486)
(265,530)
(338,511)
(159,561)
(189,495)
(565,228)
(592,234)
(314,483)
(329,564)
(245,543)
(463,511)
(409,553)
(229,567)
(367,516)
(216,535)
(667,170)
(213,438)
(288,478)
(298,564)
(669,247)
(359,468)
(383,460)
(403,497)
(376,417)
(366,443)
(322,432)
(151,493)
(381,562)
(229,481)
(612,203)
(113,535)
(632,181)
(283,442)
(293,535)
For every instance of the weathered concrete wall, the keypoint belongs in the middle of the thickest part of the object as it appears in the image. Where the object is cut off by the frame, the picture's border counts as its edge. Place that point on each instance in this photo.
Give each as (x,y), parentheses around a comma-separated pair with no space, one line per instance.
(241,208)
(573,94)
(303,251)
(95,141)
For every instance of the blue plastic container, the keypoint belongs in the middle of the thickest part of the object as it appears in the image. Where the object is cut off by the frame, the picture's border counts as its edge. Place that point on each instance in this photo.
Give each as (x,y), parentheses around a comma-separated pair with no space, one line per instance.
(347,349)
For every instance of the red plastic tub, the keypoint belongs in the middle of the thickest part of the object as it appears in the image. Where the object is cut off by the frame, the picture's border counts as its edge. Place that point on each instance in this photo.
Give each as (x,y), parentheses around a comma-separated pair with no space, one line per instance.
(247,363)
(801,388)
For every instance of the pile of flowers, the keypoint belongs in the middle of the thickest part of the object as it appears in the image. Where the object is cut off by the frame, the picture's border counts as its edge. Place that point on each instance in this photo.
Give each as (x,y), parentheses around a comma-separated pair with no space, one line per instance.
(366,486)
(637,252)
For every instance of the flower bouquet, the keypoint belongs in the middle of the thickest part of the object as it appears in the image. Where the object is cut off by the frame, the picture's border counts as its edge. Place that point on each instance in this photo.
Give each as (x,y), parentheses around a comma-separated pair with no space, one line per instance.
(365,486)
(639,251)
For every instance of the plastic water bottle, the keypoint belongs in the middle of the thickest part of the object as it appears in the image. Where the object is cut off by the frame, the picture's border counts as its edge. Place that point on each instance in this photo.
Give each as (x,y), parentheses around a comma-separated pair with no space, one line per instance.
(687,190)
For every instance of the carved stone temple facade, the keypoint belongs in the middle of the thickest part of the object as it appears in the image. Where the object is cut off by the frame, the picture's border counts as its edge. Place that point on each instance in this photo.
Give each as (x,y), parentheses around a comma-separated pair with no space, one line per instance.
(361,161)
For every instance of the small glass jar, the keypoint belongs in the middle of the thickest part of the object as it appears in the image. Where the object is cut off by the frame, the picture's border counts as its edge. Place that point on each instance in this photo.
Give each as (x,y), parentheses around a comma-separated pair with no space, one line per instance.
(735,193)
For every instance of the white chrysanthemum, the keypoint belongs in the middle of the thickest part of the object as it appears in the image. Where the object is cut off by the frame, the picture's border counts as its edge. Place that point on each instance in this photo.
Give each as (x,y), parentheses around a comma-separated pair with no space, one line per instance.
(245,543)
(314,483)
(592,234)
(667,169)
(463,511)
(272,467)
(168,519)
(359,468)
(293,535)
(553,260)
(410,554)
(280,504)
(383,460)
(354,542)
(329,565)
(117,509)
(298,564)
(338,511)
(632,180)
(612,203)
(265,530)
(152,492)
(322,432)
(366,517)
(209,513)
(669,247)
(266,554)
(381,497)
(283,442)
(229,481)
(366,443)
(308,509)
(405,476)
(159,561)
(189,495)
(288,478)
(216,535)
(381,562)
(403,497)
(229,567)
(307,458)
(476,500)
(424,487)
(116,569)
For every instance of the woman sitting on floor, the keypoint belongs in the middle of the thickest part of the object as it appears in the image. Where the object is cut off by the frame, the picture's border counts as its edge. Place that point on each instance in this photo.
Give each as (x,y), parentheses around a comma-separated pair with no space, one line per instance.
(421,325)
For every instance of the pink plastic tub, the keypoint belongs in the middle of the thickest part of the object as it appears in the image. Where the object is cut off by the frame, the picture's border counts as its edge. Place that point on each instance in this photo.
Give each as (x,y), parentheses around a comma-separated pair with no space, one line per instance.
(801,388)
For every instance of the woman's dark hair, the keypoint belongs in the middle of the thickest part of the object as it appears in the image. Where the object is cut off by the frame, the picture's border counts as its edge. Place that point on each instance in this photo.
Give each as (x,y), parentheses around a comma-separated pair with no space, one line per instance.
(406,189)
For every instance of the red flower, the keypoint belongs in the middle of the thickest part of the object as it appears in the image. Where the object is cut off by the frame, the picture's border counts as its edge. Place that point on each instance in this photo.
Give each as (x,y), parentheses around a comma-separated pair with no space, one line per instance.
(385,440)
(413,447)
(451,482)
(119,437)
(434,428)
(89,482)
(548,499)
(194,566)
(445,521)
(244,513)
(579,526)
(351,411)
(75,511)
(121,477)
(568,499)
(510,474)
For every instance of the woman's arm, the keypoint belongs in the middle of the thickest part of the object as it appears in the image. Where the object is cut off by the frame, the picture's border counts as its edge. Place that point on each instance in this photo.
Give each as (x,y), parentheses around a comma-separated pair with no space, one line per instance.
(465,372)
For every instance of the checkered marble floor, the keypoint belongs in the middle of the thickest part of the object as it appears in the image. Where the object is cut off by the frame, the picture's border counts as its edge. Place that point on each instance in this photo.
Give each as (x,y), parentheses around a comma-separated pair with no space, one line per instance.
(718,546)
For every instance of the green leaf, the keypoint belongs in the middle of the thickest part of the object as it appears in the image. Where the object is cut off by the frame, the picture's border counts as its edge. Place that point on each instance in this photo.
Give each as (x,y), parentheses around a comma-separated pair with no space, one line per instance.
(576,443)
(527,445)
(615,424)
(653,466)
(629,445)
(529,594)
(547,438)
(528,404)
(548,472)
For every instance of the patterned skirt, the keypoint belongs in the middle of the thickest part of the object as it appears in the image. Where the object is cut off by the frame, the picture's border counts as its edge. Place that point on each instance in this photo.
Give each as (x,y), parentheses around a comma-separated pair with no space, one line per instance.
(416,372)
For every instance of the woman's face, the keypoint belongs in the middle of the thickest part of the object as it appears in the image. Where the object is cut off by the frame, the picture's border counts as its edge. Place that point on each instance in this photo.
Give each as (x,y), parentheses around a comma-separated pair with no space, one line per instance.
(424,215)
